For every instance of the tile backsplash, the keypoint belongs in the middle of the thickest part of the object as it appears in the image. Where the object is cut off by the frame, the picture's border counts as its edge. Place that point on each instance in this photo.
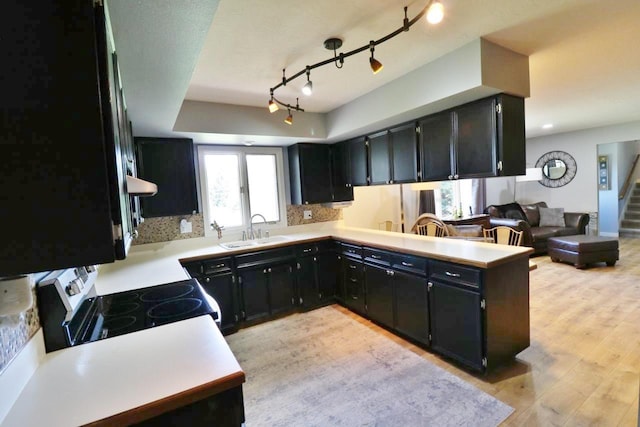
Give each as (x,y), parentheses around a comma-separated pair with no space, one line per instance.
(15,332)
(165,229)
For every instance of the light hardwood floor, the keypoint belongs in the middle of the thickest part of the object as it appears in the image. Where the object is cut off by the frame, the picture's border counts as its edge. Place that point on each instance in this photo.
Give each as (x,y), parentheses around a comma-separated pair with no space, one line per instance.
(583,365)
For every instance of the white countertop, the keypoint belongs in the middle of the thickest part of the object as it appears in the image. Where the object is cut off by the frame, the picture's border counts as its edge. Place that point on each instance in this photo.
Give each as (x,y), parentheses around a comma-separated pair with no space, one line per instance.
(156,263)
(90,382)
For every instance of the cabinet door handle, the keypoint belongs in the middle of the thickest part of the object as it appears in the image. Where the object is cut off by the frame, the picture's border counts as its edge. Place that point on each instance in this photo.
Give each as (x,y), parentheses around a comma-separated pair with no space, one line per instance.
(354,297)
(450,177)
(353,280)
(208,279)
(429,285)
(452,274)
(244,316)
(391,273)
(219,266)
(269,270)
(306,250)
(407,264)
(351,251)
(455,176)
(264,271)
(353,267)
(376,256)
(293,301)
(301,300)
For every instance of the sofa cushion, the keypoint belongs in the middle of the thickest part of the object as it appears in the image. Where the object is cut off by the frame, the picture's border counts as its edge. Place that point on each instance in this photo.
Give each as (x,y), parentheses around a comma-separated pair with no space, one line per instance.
(543,233)
(510,211)
(551,217)
(532,213)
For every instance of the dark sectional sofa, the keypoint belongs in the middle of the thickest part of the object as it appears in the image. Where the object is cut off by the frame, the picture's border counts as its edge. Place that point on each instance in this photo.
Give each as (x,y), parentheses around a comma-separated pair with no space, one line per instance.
(526,218)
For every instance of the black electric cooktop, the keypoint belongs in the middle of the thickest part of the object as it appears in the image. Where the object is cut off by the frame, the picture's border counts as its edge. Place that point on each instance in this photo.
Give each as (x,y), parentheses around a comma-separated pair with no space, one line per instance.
(116,314)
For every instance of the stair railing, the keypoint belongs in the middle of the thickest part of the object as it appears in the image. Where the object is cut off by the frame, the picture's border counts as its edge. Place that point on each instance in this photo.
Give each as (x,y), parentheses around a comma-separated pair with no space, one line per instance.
(627,182)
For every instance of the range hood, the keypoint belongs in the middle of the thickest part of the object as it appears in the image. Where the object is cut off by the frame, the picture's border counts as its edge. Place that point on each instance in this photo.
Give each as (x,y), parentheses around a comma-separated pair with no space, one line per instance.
(140,187)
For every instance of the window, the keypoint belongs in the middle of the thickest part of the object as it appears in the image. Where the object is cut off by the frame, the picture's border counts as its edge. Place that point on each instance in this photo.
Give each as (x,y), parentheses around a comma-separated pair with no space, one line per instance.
(459,195)
(237,183)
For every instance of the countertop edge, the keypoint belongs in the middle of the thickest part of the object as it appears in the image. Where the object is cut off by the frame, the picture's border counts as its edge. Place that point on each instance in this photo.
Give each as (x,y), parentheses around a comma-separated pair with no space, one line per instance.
(169,403)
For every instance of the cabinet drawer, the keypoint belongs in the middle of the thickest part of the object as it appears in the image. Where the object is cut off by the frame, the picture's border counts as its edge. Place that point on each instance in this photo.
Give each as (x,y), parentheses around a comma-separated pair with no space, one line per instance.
(351,251)
(265,257)
(454,273)
(377,256)
(313,248)
(410,264)
(218,265)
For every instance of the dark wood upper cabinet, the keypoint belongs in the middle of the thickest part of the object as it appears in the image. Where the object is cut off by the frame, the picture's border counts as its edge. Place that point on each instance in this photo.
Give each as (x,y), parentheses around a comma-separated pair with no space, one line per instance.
(404,152)
(310,173)
(436,136)
(475,139)
(62,175)
(379,158)
(358,161)
(484,138)
(340,173)
(168,162)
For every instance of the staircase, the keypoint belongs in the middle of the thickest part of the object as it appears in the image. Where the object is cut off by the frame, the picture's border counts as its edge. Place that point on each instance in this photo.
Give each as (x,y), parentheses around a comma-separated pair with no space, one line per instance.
(630,224)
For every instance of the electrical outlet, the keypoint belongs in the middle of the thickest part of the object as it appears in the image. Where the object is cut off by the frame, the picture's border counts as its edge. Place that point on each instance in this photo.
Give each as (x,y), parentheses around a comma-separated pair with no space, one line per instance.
(185,226)
(307,215)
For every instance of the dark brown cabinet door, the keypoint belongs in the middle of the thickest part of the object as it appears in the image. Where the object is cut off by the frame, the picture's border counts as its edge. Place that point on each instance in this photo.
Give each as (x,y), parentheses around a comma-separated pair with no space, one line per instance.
(281,289)
(456,323)
(379,158)
(412,309)
(310,173)
(436,145)
(379,285)
(340,177)
(168,162)
(358,161)
(404,152)
(222,288)
(255,293)
(476,139)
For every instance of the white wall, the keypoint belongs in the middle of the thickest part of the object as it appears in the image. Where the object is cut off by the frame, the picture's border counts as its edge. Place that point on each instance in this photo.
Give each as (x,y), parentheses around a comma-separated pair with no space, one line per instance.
(372,205)
(581,194)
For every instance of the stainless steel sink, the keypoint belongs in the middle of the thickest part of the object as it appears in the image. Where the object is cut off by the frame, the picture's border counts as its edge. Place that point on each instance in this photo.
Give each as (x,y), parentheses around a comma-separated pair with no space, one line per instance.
(239,244)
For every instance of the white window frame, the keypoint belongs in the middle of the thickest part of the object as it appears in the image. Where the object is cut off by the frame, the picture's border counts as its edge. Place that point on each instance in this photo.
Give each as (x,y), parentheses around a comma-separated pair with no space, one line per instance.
(241,152)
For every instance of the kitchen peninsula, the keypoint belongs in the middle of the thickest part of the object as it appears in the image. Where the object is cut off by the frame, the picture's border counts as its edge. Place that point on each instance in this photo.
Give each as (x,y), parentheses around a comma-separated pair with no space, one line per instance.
(180,362)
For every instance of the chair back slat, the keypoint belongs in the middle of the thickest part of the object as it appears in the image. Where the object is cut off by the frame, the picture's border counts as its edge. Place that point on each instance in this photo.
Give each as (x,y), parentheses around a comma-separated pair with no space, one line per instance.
(431,229)
(503,235)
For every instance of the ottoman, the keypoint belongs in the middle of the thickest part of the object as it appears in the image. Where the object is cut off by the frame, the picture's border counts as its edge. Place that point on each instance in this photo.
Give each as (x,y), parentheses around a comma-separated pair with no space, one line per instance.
(581,250)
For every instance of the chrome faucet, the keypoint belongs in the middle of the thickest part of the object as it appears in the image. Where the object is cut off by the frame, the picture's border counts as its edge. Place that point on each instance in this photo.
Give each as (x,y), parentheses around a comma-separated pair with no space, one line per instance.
(252,235)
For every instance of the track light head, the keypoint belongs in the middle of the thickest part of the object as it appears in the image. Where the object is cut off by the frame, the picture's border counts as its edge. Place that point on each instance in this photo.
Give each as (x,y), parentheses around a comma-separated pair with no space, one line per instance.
(435,12)
(376,66)
(289,119)
(307,89)
(273,107)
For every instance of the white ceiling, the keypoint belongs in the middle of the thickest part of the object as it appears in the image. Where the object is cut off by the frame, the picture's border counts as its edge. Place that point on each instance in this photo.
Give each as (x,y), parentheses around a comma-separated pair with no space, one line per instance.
(583,58)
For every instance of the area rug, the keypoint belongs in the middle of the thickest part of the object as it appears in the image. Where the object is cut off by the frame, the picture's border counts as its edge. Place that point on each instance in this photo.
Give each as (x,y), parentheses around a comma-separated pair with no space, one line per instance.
(323,368)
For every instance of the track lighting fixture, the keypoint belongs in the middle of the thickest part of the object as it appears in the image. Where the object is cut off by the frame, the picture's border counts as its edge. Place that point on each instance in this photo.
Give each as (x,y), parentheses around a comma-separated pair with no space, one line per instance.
(289,119)
(376,66)
(307,89)
(273,106)
(434,12)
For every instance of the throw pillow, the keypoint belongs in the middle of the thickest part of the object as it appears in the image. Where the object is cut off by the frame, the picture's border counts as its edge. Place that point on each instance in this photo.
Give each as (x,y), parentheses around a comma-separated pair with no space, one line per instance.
(551,217)
(532,213)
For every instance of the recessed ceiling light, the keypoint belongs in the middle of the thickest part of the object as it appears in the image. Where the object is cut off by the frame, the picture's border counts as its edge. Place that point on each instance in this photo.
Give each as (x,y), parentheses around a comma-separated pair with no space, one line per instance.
(547,126)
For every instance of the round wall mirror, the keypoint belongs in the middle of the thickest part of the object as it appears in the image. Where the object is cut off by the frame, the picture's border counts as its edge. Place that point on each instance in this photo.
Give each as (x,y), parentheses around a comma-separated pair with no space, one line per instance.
(558,168)
(554,169)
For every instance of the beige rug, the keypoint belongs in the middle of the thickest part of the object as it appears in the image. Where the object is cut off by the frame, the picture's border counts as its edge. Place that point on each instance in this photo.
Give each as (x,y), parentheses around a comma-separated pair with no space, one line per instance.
(322,368)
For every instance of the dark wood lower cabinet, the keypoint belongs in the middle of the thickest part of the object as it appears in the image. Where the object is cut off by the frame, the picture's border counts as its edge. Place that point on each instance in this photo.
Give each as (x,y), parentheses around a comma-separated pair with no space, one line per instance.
(281,288)
(254,293)
(456,323)
(412,307)
(380,286)
(478,317)
(222,287)
(353,279)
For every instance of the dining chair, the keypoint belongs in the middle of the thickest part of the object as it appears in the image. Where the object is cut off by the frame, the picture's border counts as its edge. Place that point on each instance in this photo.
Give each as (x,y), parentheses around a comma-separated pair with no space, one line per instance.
(503,235)
(431,229)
